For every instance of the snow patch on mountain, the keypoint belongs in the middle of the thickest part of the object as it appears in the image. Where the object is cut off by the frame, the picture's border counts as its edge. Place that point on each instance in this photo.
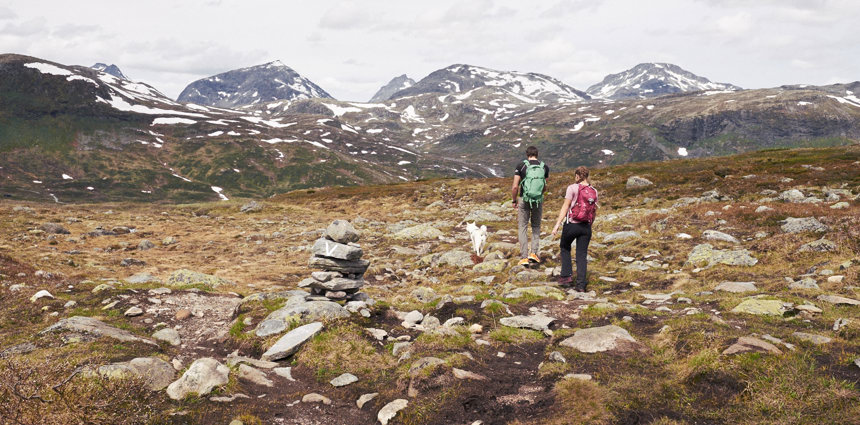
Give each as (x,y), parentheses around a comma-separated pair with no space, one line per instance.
(655,79)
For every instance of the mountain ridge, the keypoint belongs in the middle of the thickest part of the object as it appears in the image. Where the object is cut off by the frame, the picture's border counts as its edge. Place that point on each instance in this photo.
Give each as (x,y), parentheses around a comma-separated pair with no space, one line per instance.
(652,79)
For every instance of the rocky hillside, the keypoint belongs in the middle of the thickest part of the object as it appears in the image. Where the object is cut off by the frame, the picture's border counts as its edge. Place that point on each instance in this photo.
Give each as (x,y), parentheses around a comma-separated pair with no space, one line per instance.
(109,69)
(72,134)
(720,290)
(648,80)
(395,85)
(248,86)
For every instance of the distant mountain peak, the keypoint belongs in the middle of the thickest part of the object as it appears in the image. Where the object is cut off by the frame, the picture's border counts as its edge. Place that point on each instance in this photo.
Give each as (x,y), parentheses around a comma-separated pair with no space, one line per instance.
(109,69)
(652,79)
(252,85)
(459,78)
(396,84)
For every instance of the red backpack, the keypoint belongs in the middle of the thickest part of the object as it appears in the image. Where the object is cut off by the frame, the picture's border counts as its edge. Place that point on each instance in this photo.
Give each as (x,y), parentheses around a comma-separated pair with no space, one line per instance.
(586,205)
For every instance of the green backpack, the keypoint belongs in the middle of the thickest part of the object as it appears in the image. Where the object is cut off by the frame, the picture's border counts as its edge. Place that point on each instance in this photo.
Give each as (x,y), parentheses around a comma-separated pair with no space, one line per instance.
(534,183)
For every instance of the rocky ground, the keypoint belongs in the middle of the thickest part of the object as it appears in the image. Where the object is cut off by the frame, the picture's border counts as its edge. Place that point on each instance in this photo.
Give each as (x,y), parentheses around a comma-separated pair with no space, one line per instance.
(721,290)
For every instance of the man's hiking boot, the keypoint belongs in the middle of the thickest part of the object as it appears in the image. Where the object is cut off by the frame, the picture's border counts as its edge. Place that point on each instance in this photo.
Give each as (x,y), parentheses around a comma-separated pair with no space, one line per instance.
(565,281)
(524,262)
(534,258)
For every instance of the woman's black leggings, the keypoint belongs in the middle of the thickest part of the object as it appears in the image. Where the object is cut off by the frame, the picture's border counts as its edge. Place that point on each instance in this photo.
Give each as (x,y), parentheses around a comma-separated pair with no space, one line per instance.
(581,233)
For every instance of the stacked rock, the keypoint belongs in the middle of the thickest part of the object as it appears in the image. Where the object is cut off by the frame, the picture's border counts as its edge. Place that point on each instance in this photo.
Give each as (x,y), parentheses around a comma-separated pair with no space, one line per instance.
(338,257)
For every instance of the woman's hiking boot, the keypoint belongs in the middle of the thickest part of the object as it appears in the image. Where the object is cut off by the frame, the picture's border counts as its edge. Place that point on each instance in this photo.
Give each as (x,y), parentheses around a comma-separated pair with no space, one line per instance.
(565,281)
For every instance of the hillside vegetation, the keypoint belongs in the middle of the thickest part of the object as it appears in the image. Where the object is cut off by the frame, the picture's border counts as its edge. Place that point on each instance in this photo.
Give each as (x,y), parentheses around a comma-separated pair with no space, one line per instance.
(661,338)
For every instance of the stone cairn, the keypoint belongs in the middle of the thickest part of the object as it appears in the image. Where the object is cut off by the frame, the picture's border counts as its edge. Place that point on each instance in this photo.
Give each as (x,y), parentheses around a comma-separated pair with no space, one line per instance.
(341,269)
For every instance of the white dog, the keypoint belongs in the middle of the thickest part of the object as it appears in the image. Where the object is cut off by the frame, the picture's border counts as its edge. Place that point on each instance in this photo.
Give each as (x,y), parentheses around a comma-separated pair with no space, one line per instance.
(478,235)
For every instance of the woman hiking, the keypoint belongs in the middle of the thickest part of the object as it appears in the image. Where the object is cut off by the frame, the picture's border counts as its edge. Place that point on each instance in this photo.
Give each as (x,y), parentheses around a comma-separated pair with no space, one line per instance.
(577,214)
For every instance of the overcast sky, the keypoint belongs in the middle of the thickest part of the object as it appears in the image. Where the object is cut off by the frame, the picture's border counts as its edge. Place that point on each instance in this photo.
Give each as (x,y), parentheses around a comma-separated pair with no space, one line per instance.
(351,48)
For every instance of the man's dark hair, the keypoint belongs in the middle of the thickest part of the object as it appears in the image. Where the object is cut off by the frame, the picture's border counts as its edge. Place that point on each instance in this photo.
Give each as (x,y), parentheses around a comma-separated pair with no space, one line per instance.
(531,151)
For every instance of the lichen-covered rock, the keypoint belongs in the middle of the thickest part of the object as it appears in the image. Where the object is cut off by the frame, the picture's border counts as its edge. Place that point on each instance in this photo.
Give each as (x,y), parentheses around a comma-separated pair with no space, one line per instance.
(96,327)
(705,255)
(290,343)
(185,277)
(621,236)
(636,182)
(420,231)
(820,245)
(599,339)
(802,225)
(331,249)
(760,307)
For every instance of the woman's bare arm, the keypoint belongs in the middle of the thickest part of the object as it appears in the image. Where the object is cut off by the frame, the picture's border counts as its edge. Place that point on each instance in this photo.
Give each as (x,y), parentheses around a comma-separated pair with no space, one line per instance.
(561,214)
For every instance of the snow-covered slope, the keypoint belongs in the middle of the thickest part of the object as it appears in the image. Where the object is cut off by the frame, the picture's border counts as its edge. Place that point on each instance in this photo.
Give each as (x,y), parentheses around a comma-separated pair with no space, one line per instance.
(395,85)
(651,80)
(531,87)
(109,69)
(248,86)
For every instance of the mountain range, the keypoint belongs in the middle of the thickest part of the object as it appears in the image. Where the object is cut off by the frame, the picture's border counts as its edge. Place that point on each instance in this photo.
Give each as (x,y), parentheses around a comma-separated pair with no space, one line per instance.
(70,133)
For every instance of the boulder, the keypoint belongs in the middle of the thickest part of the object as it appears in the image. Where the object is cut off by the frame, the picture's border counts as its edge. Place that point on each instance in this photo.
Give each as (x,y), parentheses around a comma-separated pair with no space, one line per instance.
(155,373)
(250,207)
(636,182)
(185,277)
(599,339)
(201,377)
(792,195)
(455,258)
(341,231)
(341,266)
(331,249)
(804,283)
(493,266)
(96,327)
(760,307)
(270,327)
(746,344)
(308,311)
(802,225)
(290,343)
(482,216)
(736,287)
(168,335)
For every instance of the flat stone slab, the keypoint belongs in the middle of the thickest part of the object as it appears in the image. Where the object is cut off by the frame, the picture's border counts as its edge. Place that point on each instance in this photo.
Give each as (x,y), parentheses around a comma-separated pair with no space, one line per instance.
(254,375)
(331,249)
(716,235)
(344,380)
(599,339)
(364,399)
(420,231)
(335,284)
(747,344)
(760,307)
(836,299)
(290,343)
(389,411)
(536,322)
(545,291)
(96,327)
(270,327)
(335,265)
(813,338)
(736,287)
(621,236)
(201,377)
(465,374)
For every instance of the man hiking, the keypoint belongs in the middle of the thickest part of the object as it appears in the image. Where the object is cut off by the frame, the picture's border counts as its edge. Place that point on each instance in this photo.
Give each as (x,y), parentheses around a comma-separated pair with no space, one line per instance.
(527,192)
